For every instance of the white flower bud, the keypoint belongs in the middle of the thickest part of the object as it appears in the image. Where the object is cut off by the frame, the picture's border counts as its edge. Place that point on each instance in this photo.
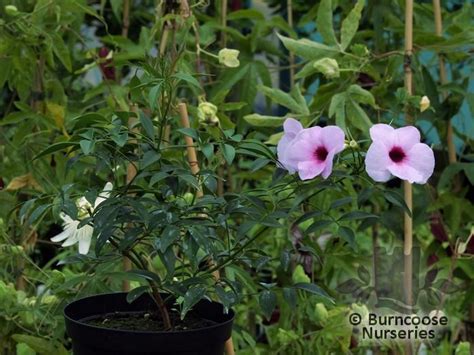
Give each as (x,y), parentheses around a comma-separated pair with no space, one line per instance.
(424,103)
(229,57)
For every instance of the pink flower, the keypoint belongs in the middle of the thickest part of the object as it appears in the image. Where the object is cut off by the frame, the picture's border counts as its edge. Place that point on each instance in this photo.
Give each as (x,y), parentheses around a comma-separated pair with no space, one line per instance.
(312,150)
(291,128)
(398,152)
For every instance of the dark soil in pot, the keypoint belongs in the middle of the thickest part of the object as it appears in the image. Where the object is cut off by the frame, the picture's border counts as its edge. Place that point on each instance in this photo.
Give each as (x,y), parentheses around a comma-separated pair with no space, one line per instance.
(108,324)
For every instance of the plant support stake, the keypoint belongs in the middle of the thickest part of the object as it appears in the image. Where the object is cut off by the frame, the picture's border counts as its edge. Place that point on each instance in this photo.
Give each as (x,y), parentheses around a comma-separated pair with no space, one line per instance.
(407,187)
(194,165)
(443,80)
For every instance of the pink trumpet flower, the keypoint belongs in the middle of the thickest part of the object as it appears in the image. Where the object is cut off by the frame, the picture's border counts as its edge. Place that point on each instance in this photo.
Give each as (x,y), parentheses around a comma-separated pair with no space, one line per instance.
(398,152)
(310,151)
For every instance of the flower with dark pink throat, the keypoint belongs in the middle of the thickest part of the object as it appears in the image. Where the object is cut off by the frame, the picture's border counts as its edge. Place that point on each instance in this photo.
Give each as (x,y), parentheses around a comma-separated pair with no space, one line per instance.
(398,152)
(312,150)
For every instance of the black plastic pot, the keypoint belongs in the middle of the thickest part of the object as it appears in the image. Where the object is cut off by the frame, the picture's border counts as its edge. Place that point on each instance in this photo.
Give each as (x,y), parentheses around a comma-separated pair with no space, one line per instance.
(92,340)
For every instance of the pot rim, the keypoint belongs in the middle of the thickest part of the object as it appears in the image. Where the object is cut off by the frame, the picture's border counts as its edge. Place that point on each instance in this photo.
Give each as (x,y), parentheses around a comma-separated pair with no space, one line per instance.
(231,313)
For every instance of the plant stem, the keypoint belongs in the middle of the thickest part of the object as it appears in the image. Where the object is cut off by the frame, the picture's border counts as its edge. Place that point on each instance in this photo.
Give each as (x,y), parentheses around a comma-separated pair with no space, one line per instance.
(408,192)
(161,305)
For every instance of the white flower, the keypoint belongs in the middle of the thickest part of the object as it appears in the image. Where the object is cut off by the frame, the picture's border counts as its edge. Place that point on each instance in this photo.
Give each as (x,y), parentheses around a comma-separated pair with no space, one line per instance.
(207,113)
(229,57)
(424,103)
(82,236)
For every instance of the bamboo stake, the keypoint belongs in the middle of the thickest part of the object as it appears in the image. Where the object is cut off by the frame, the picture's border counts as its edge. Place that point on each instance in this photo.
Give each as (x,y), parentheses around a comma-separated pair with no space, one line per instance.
(443,80)
(408,191)
(289,9)
(194,165)
(126,18)
(131,174)
(224,23)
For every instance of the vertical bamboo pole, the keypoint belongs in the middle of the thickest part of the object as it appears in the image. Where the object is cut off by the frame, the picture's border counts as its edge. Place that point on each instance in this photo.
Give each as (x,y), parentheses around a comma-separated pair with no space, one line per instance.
(289,10)
(194,165)
(224,23)
(131,170)
(443,80)
(131,173)
(407,187)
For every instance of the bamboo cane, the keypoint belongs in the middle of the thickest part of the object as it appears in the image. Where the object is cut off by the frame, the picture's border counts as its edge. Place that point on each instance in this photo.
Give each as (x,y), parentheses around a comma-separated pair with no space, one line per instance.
(194,165)
(408,191)
(224,23)
(131,173)
(443,80)
(131,170)
(289,10)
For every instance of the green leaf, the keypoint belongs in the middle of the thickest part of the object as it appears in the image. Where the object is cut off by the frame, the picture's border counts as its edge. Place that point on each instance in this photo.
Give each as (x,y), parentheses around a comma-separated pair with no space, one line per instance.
(168,237)
(354,215)
(146,275)
(307,49)
(136,292)
(312,288)
(317,226)
(357,116)
(324,22)
(153,95)
(229,153)
(397,200)
(251,14)
(87,146)
(5,66)
(267,301)
(40,345)
(281,98)
(56,147)
(338,108)
(117,9)
(192,296)
(24,349)
(364,274)
(351,24)
(290,296)
(191,132)
(191,80)
(327,66)
(37,213)
(361,95)
(258,120)
(348,235)
(147,125)
(259,164)
(60,50)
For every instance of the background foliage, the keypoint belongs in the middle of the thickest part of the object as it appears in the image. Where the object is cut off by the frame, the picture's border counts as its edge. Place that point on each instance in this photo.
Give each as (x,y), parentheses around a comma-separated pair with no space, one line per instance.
(68,73)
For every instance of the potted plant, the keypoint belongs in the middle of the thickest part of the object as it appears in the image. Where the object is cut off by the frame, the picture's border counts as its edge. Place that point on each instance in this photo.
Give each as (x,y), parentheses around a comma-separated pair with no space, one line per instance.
(161,213)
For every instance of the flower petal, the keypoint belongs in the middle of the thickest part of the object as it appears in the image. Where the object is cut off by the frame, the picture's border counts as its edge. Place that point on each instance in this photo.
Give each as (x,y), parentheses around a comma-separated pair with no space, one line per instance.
(62,236)
(71,240)
(310,169)
(405,172)
(407,137)
(381,131)
(329,162)
(105,194)
(292,126)
(303,146)
(333,138)
(421,158)
(84,239)
(377,161)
